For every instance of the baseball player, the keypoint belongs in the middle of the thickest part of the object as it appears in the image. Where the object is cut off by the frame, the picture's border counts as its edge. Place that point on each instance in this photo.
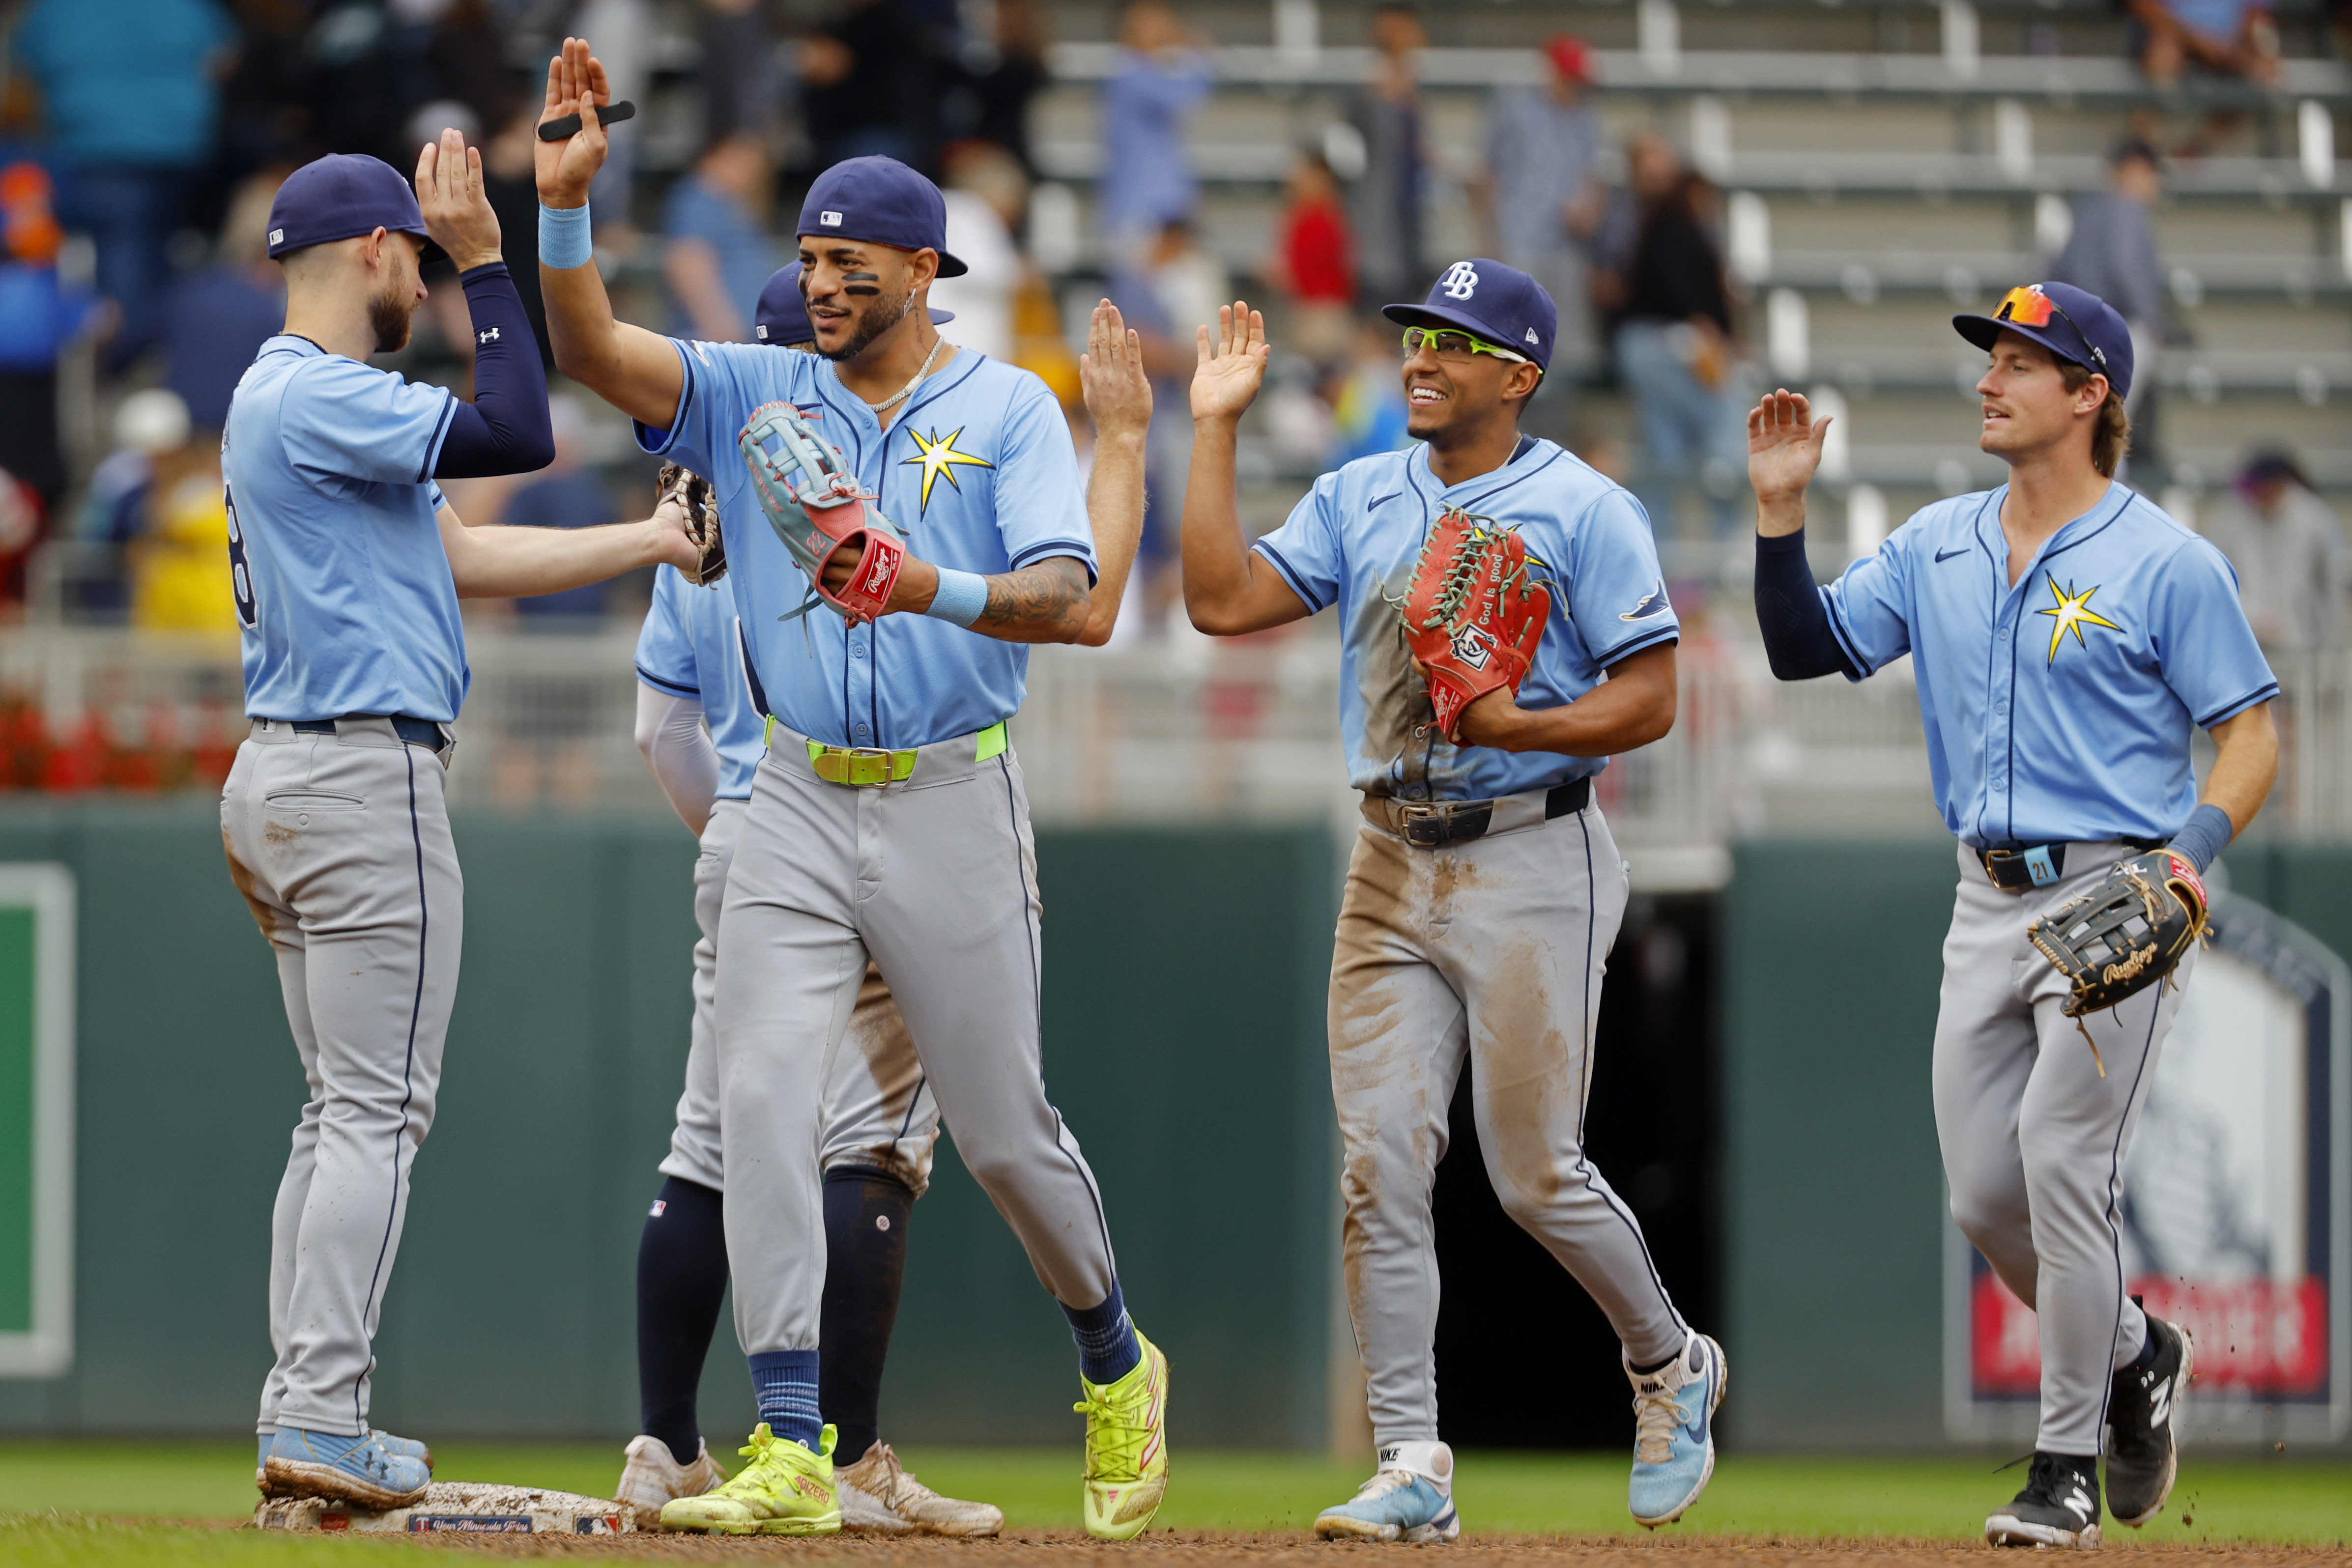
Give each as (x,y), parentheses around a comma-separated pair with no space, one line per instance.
(347,564)
(888,820)
(1483,888)
(880,1123)
(2068,639)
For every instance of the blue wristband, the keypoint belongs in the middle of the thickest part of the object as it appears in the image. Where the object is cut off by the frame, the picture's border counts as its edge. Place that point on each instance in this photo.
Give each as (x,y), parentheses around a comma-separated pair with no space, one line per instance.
(961,596)
(563,238)
(2205,835)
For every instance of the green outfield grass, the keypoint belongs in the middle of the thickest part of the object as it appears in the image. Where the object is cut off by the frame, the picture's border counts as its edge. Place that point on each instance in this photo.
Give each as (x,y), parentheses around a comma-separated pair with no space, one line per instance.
(49,1489)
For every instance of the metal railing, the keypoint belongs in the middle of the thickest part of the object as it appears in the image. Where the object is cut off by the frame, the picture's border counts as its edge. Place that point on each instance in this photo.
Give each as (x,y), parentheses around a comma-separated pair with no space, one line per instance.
(1183,729)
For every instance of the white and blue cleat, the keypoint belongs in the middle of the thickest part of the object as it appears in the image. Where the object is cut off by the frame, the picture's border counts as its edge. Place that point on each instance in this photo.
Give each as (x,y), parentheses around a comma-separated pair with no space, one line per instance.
(1408,1499)
(1674,1431)
(364,1470)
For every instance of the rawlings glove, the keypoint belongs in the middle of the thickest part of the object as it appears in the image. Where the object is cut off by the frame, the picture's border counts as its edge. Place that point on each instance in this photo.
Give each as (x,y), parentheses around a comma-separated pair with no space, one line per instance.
(692,494)
(1473,613)
(813,502)
(2123,935)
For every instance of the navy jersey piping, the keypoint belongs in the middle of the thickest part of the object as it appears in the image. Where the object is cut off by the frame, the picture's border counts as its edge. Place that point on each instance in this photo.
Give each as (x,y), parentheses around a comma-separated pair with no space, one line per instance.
(673,687)
(440,433)
(1289,575)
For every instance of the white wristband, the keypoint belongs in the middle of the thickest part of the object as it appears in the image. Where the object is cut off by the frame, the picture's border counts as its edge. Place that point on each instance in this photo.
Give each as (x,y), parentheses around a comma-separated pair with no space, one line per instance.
(961,596)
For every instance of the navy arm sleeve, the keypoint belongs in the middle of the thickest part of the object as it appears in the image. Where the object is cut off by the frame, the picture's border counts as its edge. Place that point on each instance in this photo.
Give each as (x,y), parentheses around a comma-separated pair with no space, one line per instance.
(504,429)
(1797,636)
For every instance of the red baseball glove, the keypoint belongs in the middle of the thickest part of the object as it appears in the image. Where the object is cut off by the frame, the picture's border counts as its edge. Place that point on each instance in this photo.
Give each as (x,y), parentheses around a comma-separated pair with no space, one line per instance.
(1474,611)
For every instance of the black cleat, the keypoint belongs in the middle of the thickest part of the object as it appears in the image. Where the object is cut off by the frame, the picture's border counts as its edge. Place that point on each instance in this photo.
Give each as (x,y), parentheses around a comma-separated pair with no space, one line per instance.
(2142,1456)
(2059,1506)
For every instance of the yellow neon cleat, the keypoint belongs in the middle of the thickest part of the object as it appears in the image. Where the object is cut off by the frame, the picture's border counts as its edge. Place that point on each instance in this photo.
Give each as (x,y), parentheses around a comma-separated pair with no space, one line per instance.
(1127,1447)
(783,1490)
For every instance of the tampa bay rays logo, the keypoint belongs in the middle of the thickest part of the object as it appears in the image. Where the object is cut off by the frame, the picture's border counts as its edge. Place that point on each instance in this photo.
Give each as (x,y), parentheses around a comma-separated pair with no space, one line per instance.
(2072,613)
(1460,282)
(937,454)
(1653,604)
(1472,647)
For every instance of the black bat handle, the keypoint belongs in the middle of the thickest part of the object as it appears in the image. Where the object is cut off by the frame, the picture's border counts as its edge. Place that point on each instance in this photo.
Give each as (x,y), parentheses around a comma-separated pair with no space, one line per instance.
(610,114)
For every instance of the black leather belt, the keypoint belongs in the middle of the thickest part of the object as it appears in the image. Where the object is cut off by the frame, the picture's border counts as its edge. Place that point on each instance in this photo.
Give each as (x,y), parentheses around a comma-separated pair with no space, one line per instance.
(2022,867)
(421,732)
(1436,823)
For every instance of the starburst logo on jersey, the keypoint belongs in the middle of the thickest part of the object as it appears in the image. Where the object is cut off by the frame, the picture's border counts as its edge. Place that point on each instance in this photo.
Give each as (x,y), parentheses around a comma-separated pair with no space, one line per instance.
(937,454)
(2072,613)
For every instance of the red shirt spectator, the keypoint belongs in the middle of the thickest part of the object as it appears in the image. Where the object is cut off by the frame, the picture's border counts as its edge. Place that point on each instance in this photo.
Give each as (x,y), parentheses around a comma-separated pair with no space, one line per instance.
(1317,251)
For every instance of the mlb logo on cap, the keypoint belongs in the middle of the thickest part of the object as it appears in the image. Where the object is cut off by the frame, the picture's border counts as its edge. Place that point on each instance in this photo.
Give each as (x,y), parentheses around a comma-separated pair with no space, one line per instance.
(830,220)
(881,201)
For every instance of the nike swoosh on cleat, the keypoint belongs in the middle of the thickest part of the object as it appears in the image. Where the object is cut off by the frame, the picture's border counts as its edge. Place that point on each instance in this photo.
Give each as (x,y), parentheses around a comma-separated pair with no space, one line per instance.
(1943,555)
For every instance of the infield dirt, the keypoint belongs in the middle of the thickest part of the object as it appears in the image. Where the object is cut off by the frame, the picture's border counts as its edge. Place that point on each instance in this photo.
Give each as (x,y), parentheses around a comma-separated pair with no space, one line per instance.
(1186,1549)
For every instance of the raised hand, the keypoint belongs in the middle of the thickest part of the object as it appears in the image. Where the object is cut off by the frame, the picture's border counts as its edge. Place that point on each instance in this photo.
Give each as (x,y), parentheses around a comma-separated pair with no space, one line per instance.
(1110,372)
(1233,363)
(457,212)
(1784,447)
(575,85)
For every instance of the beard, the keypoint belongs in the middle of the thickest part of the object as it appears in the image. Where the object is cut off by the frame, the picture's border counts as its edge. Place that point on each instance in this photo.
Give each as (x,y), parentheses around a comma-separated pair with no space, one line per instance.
(389,314)
(868,322)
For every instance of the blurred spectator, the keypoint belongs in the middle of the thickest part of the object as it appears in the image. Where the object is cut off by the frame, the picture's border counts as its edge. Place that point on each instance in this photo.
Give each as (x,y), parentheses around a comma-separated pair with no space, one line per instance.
(266,97)
(625,40)
(513,191)
(1368,405)
(739,79)
(1675,349)
(214,321)
(2288,547)
(1146,177)
(1389,198)
(468,56)
(998,68)
(179,566)
(864,78)
(2226,37)
(2111,252)
(150,428)
(563,495)
(1317,264)
(985,193)
(1174,288)
(130,91)
(39,316)
(1651,172)
(1539,196)
(718,253)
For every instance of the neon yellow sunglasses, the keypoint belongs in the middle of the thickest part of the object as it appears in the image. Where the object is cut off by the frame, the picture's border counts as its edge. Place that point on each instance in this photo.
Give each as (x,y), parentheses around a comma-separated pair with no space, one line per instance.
(1457,346)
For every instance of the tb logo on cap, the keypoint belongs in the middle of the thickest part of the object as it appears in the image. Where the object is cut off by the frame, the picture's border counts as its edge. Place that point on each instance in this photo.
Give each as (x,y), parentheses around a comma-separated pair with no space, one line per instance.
(1460,281)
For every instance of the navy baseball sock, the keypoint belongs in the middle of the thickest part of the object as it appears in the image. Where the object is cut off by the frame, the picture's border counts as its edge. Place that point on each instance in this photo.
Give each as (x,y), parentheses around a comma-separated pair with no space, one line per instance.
(785,1381)
(681,1279)
(865,1214)
(1106,1347)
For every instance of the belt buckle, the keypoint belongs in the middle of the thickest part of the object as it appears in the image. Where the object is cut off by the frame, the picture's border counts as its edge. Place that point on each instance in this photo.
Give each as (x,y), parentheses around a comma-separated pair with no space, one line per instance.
(1423,825)
(863,767)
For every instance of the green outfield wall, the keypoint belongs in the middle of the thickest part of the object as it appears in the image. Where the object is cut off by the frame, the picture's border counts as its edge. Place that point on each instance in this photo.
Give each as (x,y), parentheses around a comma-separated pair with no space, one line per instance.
(1183,1021)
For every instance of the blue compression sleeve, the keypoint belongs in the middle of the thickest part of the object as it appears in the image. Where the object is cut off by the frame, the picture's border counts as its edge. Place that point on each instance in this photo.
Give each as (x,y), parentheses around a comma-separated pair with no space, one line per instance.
(1797,636)
(2206,834)
(504,429)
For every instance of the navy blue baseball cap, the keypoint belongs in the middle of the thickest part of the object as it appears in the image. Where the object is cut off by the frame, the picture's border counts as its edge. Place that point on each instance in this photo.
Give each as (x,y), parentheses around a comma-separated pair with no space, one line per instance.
(340,196)
(2072,323)
(782,314)
(881,201)
(1490,300)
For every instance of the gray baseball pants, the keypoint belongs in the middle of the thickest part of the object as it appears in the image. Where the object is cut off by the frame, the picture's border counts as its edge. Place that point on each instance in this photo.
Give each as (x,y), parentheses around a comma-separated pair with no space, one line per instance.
(1490,952)
(879,1114)
(341,845)
(934,881)
(2034,1138)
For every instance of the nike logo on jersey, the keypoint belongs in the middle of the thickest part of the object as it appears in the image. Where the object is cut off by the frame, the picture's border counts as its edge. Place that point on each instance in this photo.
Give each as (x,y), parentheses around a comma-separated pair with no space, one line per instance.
(1944,555)
(1652,603)
(1392,496)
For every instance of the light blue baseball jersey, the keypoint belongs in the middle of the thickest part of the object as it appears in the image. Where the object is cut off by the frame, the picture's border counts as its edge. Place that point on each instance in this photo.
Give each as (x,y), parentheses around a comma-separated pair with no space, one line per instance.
(344,599)
(1352,542)
(690,648)
(977,471)
(2059,709)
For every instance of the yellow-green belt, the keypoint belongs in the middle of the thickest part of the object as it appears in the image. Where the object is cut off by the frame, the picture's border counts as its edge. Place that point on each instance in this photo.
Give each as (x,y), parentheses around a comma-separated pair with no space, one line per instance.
(864,766)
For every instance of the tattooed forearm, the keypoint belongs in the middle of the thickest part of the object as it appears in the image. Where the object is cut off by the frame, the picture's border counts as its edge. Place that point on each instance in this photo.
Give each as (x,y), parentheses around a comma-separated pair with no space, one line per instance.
(1042,603)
